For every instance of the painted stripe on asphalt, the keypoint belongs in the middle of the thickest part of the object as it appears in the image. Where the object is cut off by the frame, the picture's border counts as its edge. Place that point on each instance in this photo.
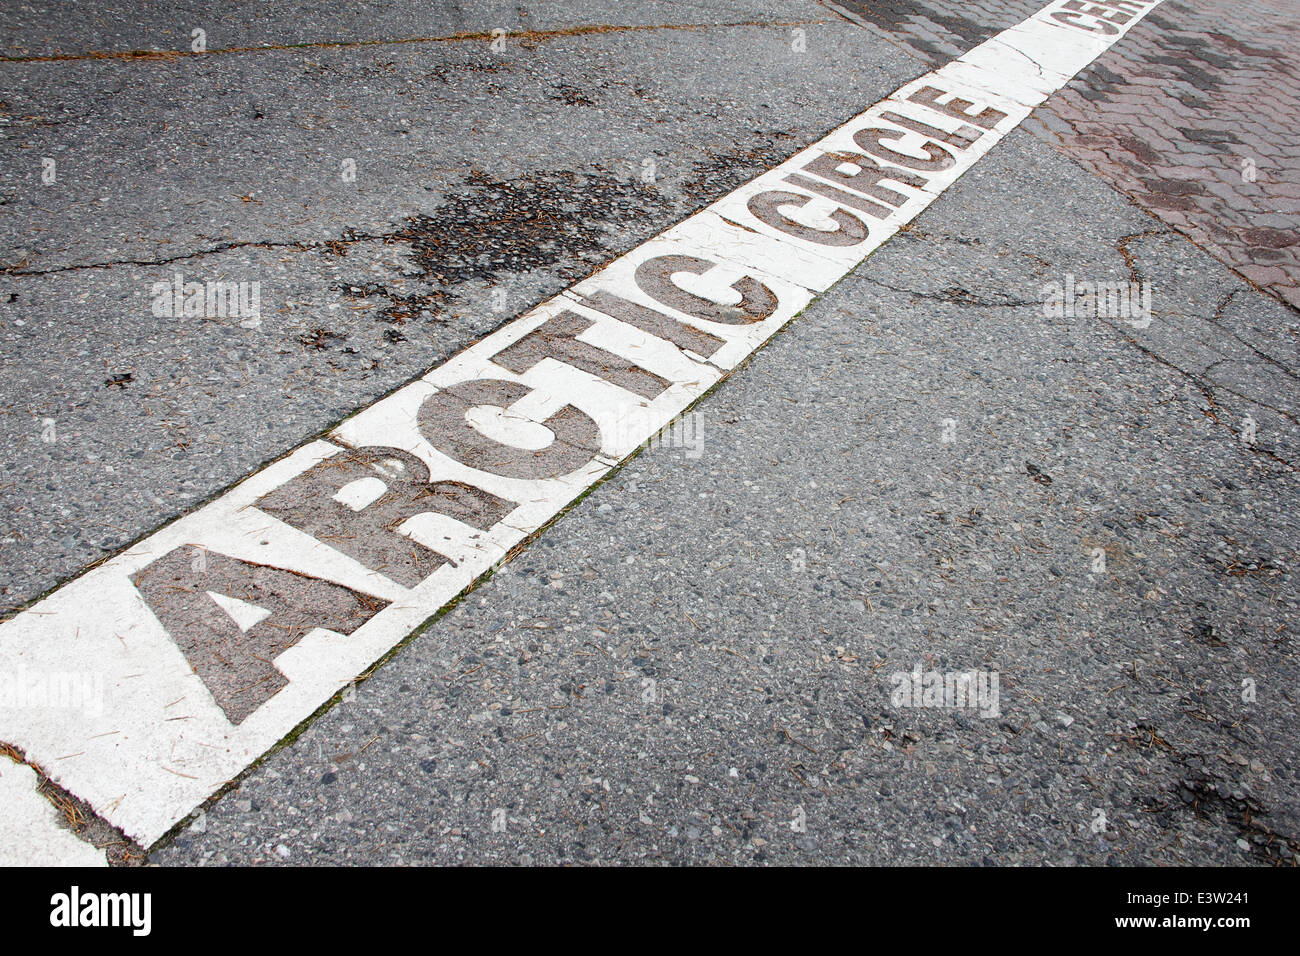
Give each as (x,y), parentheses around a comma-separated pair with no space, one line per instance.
(192,653)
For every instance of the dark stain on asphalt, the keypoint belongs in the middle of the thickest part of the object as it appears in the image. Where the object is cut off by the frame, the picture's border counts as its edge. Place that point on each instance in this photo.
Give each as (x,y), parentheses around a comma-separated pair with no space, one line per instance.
(570,96)
(721,173)
(558,220)
(444,71)
(494,228)
(1036,473)
(320,339)
(500,227)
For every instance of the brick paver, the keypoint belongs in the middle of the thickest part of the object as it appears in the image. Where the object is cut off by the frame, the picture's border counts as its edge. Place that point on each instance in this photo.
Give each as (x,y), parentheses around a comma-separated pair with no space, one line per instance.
(1193,116)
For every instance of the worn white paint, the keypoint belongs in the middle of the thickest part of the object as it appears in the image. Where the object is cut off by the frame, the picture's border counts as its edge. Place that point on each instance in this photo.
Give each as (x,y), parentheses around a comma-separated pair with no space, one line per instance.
(30,831)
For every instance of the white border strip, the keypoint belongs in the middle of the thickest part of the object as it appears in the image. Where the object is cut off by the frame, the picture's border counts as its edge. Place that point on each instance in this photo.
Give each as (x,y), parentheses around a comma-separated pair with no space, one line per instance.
(158,743)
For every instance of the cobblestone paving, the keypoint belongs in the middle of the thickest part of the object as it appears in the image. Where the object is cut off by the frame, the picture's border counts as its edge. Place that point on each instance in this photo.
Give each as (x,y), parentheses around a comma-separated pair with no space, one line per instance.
(1193,116)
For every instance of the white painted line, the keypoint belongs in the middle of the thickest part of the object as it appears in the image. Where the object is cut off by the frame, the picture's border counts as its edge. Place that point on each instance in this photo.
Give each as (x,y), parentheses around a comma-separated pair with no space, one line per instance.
(30,834)
(217,635)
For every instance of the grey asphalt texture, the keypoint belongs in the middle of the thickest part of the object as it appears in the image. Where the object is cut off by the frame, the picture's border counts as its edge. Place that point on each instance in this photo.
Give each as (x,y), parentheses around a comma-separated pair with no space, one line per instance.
(478,173)
(692,665)
(1121,691)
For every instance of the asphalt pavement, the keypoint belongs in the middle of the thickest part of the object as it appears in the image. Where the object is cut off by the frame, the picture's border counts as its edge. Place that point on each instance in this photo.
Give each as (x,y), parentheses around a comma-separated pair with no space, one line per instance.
(718,654)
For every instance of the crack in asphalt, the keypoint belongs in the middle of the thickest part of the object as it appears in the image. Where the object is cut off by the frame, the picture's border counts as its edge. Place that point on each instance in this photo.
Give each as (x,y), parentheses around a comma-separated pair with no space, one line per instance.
(1196,787)
(1121,244)
(1217,320)
(1205,386)
(301,245)
(1052,138)
(1207,389)
(489,216)
(961,297)
(522,36)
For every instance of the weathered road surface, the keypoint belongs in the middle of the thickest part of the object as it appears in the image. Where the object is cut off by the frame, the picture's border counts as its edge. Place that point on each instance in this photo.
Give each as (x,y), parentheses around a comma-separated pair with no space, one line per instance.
(709,657)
